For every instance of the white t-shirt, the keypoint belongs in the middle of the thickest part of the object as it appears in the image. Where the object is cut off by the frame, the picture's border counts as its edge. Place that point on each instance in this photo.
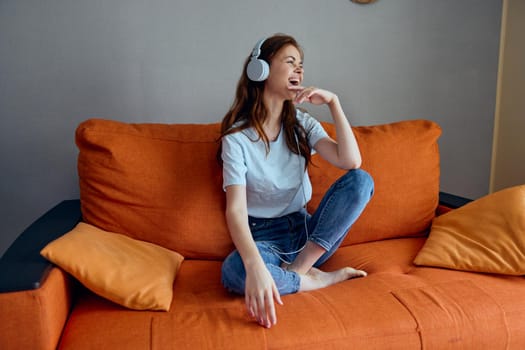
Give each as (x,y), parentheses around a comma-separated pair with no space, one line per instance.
(276,182)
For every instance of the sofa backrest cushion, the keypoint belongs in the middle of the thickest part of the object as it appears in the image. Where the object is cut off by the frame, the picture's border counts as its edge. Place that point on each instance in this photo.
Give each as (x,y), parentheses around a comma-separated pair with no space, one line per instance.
(161,183)
(158,183)
(403,160)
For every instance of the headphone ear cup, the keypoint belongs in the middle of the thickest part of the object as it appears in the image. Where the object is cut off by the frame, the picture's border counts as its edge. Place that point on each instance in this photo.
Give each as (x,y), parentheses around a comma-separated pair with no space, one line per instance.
(257,70)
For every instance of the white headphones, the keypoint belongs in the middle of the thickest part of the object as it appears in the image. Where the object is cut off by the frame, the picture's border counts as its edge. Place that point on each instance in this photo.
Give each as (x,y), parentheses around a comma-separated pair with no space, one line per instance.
(257,69)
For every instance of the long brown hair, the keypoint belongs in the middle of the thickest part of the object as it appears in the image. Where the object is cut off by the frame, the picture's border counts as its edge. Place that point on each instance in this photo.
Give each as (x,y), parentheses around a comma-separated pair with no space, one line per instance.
(249,111)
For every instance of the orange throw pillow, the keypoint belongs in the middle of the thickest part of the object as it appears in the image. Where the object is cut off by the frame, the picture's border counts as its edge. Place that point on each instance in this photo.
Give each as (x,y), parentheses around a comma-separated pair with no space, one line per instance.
(135,274)
(486,235)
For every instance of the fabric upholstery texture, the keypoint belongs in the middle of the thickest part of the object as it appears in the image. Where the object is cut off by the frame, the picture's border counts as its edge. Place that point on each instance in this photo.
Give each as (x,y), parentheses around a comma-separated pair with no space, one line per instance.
(35,318)
(162,184)
(383,310)
(403,159)
(155,182)
(457,310)
(486,235)
(132,273)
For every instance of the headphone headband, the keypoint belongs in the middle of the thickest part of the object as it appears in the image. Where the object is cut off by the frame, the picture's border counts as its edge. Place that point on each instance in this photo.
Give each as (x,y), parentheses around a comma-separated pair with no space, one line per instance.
(257,48)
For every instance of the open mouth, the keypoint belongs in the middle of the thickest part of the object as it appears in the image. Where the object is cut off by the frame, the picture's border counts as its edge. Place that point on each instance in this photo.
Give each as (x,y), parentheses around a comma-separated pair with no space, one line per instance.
(293,82)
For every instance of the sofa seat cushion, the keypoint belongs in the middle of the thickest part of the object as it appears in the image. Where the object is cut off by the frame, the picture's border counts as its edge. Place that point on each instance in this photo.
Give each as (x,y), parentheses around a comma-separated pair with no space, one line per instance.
(458,312)
(379,257)
(361,312)
(506,291)
(374,312)
(204,315)
(97,323)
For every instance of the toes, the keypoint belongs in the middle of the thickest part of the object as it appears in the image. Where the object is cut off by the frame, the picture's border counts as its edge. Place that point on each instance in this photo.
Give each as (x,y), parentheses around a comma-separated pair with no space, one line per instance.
(353,273)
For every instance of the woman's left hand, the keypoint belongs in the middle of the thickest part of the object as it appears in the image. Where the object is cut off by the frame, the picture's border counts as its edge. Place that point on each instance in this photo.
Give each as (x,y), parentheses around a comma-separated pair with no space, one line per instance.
(313,95)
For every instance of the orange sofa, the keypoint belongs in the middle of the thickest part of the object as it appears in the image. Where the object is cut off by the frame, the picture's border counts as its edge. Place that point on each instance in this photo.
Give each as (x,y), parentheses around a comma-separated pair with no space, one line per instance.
(161,184)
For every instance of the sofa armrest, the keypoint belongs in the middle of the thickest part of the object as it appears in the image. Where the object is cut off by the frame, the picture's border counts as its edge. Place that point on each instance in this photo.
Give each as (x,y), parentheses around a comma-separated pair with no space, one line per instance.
(36,297)
(452,201)
(22,267)
(35,318)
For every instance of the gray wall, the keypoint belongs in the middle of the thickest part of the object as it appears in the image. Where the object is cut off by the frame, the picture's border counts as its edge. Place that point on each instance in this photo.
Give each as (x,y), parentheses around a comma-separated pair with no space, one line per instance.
(178,61)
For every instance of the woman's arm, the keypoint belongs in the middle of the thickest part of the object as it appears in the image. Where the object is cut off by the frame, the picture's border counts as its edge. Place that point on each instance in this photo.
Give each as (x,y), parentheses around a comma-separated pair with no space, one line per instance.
(260,289)
(345,152)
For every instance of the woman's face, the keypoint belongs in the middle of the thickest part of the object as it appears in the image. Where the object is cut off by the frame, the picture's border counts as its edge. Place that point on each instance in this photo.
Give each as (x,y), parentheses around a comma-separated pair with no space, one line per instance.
(286,73)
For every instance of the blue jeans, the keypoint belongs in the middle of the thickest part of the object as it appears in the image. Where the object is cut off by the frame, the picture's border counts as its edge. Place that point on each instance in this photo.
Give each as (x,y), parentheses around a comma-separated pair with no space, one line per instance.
(281,239)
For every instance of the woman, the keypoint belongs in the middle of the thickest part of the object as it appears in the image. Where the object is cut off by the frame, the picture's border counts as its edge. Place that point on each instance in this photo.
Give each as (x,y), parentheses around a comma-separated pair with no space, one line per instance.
(266,146)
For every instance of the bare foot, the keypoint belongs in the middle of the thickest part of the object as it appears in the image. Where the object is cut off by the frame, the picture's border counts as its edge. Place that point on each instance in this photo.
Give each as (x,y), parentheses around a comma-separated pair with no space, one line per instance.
(316,279)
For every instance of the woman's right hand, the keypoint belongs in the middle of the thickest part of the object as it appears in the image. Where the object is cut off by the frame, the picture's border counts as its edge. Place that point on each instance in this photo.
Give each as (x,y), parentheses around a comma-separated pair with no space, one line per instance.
(260,289)
(260,293)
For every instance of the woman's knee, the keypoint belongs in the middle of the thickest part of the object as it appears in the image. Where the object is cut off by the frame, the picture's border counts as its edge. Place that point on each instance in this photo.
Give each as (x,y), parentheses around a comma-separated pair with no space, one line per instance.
(366,180)
(360,182)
